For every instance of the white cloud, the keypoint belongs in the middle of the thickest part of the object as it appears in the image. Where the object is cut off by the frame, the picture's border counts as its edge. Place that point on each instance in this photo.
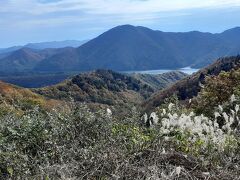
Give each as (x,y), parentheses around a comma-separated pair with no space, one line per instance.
(54,13)
(110,6)
(39,20)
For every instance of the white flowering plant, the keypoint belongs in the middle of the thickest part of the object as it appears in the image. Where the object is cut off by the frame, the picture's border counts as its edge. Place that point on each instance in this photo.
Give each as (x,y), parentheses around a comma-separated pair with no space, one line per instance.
(82,144)
(201,135)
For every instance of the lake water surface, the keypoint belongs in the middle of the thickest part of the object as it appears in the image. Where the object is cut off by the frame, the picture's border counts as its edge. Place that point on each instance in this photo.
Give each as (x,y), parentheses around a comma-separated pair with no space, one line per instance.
(186,70)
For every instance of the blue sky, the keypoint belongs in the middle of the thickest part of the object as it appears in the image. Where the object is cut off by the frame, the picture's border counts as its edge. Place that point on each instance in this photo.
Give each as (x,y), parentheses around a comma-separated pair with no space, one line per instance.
(24,21)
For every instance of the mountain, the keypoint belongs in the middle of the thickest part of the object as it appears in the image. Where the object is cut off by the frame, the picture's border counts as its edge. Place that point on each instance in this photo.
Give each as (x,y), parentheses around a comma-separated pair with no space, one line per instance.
(138,48)
(100,86)
(56,44)
(44,45)
(80,143)
(25,59)
(109,87)
(190,86)
(21,60)
(32,80)
(65,60)
(135,48)
(10,49)
(159,81)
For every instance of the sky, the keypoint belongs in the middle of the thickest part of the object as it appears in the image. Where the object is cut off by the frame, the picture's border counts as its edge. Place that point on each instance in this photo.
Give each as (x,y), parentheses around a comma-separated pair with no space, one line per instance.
(25,21)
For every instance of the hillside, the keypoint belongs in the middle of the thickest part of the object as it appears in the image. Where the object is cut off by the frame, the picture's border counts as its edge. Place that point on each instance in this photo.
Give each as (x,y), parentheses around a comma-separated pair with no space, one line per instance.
(36,80)
(159,81)
(64,61)
(20,60)
(9,49)
(190,86)
(14,99)
(25,59)
(44,45)
(223,89)
(55,44)
(32,80)
(138,48)
(172,143)
(109,87)
(100,86)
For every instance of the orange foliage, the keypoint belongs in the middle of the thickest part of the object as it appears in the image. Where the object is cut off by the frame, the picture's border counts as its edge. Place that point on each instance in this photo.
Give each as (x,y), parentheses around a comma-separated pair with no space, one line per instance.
(13,95)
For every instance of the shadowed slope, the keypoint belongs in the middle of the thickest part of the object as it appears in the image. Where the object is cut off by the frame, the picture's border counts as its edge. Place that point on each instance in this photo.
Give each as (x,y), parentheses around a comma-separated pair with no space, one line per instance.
(138,48)
(191,85)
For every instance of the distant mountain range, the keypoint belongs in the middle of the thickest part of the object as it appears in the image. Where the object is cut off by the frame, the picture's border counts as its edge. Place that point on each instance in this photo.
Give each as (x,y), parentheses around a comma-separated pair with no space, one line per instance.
(45,45)
(128,47)
(26,59)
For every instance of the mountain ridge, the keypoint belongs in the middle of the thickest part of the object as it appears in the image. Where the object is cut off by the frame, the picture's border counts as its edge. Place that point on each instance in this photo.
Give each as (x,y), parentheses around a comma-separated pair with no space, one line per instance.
(127,47)
(45,45)
(108,87)
(190,86)
(139,48)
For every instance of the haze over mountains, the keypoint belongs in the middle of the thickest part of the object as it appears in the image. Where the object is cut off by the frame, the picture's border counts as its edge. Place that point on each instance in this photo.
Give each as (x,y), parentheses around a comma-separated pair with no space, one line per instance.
(25,59)
(45,45)
(128,48)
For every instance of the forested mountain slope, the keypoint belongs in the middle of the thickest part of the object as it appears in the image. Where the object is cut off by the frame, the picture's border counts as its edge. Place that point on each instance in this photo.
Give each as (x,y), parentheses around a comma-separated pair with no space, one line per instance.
(109,87)
(159,81)
(126,48)
(190,86)
(139,48)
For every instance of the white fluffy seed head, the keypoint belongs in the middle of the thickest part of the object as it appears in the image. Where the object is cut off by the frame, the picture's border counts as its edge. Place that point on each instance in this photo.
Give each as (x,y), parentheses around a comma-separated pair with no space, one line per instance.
(164,112)
(216,114)
(154,117)
(109,112)
(233,98)
(145,118)
(170,106)
(178,170)
(237,108)
(220,108)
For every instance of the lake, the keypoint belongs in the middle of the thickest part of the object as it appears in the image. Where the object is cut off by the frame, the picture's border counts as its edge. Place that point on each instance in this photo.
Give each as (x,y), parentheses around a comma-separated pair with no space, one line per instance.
(187,70)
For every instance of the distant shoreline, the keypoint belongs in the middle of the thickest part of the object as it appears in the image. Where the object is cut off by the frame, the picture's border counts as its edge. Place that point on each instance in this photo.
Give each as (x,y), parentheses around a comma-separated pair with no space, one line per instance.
(187,70)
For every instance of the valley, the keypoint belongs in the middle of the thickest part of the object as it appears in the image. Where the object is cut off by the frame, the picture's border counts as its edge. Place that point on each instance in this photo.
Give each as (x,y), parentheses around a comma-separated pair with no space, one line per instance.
(103,112)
